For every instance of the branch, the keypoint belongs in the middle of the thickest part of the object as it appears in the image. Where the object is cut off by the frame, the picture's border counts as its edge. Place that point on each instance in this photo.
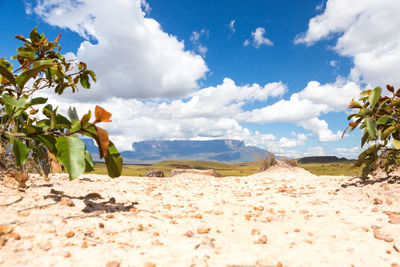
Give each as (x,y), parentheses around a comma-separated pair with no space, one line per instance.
(9,204)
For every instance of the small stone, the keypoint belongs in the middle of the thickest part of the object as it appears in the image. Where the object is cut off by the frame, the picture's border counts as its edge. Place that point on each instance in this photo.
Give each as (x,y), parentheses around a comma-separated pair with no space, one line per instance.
(157,243)
(197,216)
(262,240)
(374,209)
(377,201)
(5,230)
(67,254)
(15,236)
(149,264)
(101,225)
(89,233)
(297,230)
(113,264)
(70,234)
(395,219)
(255,232)
(388,239)
(203,229)
(189,234)
(67,202)
(375,227)
(219,212)
(84,244)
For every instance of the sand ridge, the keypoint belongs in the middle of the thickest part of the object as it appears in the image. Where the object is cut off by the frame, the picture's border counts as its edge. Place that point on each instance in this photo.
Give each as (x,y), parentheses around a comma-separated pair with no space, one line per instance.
(282,217)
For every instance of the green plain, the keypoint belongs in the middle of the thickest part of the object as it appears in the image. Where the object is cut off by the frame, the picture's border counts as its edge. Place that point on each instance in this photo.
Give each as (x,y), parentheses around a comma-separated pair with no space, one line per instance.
(225,169)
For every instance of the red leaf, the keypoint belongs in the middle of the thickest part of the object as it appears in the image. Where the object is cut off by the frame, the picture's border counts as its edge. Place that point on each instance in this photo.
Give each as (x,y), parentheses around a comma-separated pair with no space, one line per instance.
(102,115)
(102,141)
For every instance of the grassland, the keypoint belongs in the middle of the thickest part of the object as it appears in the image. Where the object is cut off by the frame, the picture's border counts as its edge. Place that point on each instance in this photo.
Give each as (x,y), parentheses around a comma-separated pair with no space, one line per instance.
(239,169)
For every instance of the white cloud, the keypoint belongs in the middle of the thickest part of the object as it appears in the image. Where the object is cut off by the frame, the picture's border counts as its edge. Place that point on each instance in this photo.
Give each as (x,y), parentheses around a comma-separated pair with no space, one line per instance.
(320,129)
(232,26)
(195,38)
(365,30)
(133,56)
(334,63)
(258,39)
(349,153)
(315,151)
(205,114)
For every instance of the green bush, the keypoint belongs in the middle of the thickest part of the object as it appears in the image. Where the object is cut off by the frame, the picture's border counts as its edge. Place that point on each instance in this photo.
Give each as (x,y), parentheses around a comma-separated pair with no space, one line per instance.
(29,139)
(379,118)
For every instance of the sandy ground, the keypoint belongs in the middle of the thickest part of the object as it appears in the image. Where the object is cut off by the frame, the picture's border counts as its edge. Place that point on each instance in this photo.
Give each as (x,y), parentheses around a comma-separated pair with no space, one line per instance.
(281,217)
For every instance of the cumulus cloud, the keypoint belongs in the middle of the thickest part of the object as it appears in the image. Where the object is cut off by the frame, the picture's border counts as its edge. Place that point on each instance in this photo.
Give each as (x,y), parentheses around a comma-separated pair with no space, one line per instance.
(365,30)
(304,108)
(258,39)
(132,55)
(204,114)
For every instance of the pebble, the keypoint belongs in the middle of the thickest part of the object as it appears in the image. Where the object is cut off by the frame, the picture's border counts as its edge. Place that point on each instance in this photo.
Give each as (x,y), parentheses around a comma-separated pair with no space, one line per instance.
(15,236)
(84,244)
(101,225)
(203,229)
(377,201)
(67,254)
(189,234)
(70,234)
(262,240)
(67,202)
(113,264)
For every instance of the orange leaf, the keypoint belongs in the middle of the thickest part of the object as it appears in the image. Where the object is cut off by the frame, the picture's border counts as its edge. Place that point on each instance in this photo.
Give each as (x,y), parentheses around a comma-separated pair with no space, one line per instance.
(57,39)
(353,124)
(102,115)
(102,141)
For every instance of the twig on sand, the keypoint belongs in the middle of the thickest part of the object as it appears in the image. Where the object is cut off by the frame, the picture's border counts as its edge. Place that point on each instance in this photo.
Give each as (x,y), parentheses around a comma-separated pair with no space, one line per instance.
(8,204)
(37,207)
(95,214)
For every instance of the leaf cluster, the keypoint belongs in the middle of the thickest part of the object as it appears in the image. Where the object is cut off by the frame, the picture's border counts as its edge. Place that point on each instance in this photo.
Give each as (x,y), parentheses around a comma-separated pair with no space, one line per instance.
(378,116)
(31,130)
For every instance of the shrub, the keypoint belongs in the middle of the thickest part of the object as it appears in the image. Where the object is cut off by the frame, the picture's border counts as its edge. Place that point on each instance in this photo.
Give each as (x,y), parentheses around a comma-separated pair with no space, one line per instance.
(29,139)
(267,161)
(290,162)
(379,118)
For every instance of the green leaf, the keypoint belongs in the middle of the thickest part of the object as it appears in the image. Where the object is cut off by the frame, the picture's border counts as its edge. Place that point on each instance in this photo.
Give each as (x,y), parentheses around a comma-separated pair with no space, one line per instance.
(73,115)
(61,121)
(396,143)
(38,66)
(34,35)
(49,114)
(92,74)
(49,142)
(84,78)
(37,101)
(387,131)
(371,127)
(374,96)
(89,166)
(113,161)
(364,138)
(21,152)
(71,153)
(13,101)
(6,73)
(383,120)
(354,104)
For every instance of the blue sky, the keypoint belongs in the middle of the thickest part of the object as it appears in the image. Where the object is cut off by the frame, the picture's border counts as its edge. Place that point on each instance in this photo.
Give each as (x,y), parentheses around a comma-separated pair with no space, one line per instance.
(276,74)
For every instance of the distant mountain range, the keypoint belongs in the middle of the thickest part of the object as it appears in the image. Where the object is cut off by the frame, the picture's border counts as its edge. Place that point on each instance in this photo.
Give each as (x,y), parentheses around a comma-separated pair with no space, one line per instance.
(147,152)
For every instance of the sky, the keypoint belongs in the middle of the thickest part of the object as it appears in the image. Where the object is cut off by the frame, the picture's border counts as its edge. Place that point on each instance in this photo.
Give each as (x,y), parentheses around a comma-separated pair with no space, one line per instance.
(277,74)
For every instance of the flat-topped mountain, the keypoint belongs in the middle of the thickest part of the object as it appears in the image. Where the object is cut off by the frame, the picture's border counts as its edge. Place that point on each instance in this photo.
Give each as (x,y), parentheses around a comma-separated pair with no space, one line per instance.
(222,150)
(322,159)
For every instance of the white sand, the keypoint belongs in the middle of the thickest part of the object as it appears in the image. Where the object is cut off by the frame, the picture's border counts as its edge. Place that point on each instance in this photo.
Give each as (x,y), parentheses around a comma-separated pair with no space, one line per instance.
(281,217)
